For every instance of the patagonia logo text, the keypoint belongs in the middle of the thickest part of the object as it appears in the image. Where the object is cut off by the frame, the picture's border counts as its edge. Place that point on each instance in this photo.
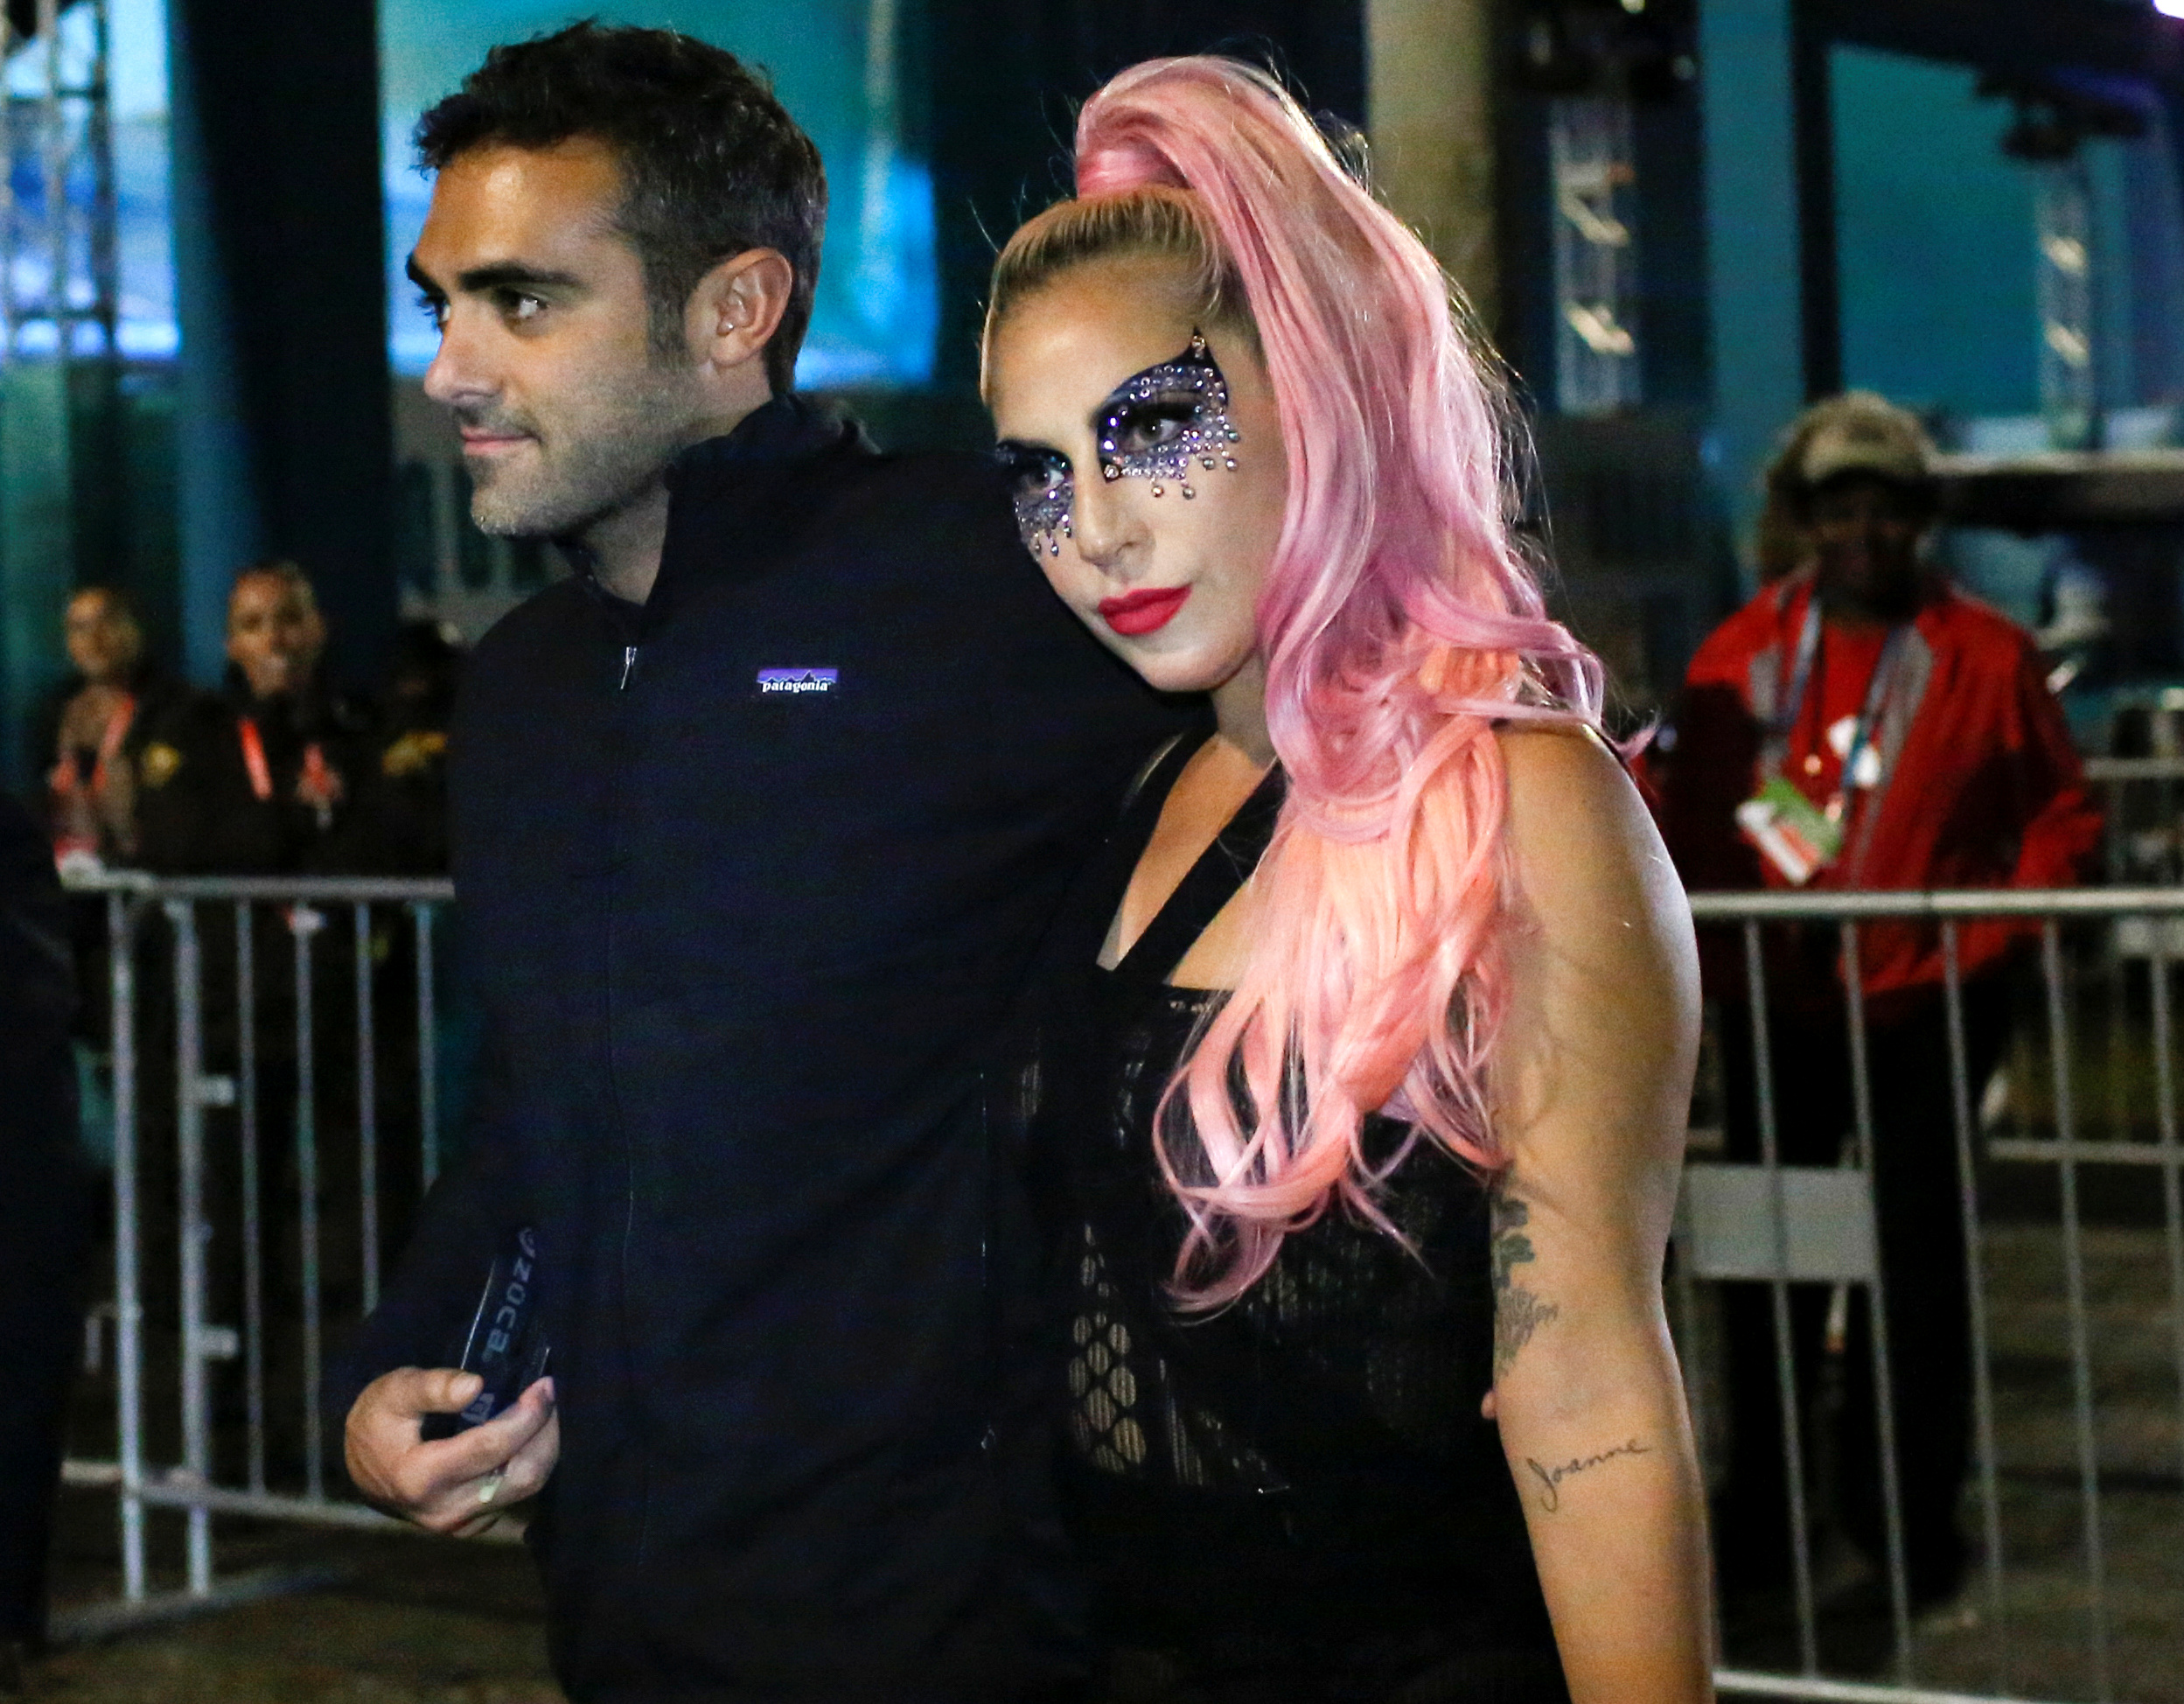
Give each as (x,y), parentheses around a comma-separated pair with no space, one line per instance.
(785,682)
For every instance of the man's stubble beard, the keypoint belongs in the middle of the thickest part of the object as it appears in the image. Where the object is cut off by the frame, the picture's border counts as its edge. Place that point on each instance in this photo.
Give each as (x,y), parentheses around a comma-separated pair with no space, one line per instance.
(608,449)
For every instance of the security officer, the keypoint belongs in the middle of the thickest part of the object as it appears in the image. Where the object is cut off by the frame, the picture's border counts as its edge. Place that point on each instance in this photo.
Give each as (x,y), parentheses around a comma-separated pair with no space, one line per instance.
(271,776)
(268,776)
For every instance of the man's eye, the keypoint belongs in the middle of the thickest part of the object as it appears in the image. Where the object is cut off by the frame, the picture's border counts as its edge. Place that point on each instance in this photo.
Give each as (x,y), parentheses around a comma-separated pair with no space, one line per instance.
(435,310)
(519,308)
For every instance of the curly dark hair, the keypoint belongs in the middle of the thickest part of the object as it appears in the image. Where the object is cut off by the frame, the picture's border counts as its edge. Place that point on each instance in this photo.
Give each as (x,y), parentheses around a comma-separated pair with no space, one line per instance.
(712,163)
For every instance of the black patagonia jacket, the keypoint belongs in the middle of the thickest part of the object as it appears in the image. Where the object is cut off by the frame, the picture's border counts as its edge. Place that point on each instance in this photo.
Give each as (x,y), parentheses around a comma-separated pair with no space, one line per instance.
(751,875)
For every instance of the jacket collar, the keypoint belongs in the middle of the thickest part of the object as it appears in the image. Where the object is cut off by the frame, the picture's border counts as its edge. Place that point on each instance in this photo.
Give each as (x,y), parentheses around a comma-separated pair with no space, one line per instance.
(735,499)
(789,428)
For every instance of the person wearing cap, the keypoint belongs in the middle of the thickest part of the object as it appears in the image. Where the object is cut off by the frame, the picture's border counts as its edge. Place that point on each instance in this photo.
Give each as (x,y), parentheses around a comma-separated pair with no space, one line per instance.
(1862,724)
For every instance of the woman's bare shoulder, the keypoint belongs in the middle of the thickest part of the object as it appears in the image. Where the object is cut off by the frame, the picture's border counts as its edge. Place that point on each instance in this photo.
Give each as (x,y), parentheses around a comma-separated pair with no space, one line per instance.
(1605,976)
(1585,852)
(1567,792)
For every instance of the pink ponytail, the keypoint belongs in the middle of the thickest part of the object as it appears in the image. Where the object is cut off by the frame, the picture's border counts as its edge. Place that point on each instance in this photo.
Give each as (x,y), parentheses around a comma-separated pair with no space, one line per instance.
(1399,623)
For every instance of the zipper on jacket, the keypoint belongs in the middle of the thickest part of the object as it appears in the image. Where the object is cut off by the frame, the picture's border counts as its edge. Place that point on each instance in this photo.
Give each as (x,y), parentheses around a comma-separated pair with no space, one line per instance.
(629,662)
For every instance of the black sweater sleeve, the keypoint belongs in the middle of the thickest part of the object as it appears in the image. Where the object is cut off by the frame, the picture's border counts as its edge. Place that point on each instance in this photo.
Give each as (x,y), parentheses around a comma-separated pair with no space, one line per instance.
(466,1217)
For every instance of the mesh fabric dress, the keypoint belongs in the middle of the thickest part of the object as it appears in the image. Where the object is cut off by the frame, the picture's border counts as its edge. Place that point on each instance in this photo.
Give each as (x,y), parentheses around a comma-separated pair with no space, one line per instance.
(1296,1498)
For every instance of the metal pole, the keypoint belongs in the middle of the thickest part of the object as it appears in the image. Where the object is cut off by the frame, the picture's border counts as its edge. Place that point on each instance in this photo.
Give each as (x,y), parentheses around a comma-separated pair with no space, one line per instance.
(197,1418)
(2164,1111)
(55,161)
(2073,1278)
(1833,904)
(304,923)
(253,1221)
(366,1107)
(1686,1289)
(11,209)
(128,1308)
(1778,1286)
(428,1047)
(2113,851)
(1877,1306)
(105,222)
(1975,1290)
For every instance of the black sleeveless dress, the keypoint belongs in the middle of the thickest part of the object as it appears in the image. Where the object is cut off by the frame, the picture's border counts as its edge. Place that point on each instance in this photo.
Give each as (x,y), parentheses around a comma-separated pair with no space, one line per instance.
(1294,1501)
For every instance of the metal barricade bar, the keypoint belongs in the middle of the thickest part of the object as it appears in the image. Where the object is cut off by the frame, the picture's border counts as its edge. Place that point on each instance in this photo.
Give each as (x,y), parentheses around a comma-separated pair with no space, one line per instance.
(304,925)
(197,1420)
(253,1226)
(1877,1297)
(1792,1427)
(2073,1278)
(1975,1291)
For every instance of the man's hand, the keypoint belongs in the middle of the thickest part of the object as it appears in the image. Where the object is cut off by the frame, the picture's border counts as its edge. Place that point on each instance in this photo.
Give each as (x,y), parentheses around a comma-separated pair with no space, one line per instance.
(457,1485)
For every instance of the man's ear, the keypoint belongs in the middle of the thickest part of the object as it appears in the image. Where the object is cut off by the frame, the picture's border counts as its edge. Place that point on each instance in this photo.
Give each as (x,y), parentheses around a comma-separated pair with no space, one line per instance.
(737,307)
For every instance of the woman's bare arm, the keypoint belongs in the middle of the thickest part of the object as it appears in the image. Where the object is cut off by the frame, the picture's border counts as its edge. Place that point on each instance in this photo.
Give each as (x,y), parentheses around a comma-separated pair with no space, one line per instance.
(1592,1081)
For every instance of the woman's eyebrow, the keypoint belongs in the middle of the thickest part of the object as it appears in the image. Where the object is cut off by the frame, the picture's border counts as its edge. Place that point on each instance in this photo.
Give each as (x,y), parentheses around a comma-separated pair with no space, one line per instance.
(1115,398)
(1120,394)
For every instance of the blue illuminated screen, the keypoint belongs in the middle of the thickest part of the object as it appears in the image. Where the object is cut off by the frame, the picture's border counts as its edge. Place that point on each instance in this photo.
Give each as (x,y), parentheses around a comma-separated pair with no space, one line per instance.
(875,318)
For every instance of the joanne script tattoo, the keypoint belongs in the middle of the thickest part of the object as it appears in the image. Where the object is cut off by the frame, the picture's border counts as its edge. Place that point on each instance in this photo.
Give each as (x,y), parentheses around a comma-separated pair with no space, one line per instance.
(1550,1478)
(1517,1312)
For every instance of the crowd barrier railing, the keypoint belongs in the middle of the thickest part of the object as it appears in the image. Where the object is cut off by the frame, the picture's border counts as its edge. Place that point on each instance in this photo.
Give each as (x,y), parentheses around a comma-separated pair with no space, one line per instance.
(219,1090)
(1756,1221)
(276,1076)
(2142,815)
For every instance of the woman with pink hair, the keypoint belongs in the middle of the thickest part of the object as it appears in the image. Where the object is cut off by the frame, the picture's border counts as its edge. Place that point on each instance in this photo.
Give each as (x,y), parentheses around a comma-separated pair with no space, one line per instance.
(1364,1057)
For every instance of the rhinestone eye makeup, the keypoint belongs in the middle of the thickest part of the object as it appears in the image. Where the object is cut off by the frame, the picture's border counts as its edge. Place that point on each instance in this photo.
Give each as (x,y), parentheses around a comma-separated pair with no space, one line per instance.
(1154,425)
(1039,481)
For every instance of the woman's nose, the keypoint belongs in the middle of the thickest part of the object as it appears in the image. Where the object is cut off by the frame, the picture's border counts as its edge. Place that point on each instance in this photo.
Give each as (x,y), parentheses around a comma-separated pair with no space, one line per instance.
(1101,521)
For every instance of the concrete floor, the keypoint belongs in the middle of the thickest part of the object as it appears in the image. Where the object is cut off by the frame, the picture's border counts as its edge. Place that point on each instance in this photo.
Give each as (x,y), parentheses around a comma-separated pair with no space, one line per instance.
(2041,1643)
(412,1620)
(403,1620)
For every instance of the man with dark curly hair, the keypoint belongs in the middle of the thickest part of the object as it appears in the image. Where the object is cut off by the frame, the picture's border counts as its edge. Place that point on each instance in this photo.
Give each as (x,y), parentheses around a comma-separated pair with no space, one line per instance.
(758,821)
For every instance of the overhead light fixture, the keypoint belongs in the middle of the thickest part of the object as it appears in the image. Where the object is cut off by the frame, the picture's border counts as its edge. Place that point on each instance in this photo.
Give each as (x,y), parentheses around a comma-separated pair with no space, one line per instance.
(2169,8)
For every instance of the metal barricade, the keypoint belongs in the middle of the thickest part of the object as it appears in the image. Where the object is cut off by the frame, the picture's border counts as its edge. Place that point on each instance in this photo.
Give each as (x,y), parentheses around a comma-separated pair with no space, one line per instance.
(341,1109)
(2045,1288)
(2142,814)
(241,955)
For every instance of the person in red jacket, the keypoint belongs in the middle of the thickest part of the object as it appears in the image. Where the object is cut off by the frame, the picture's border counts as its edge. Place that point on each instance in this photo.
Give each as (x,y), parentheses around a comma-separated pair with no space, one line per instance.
(1861,725)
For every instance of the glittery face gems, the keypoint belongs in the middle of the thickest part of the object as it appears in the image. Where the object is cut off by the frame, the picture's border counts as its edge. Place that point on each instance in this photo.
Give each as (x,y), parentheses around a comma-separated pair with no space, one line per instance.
(1155,425)
(1039,481)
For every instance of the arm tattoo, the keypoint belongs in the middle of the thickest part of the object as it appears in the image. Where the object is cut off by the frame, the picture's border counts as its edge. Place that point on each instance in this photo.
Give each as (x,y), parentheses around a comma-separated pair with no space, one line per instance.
(1518,1311)
(1550,1478)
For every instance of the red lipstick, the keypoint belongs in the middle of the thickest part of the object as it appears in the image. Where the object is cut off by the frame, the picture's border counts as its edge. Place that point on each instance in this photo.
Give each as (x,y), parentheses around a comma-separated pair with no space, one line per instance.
(1137,613)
